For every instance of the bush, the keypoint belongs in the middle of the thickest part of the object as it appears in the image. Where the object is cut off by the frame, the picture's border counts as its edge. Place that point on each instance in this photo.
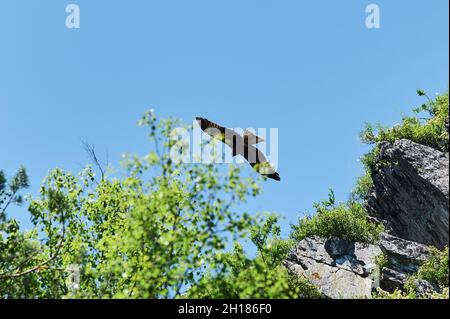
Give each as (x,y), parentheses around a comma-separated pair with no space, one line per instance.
(347,220)
(429,130)
(435,269)
(382,261)
(364,186)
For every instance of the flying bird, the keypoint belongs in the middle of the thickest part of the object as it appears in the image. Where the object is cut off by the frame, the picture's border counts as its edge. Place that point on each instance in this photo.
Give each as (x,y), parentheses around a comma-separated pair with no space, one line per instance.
(240,145)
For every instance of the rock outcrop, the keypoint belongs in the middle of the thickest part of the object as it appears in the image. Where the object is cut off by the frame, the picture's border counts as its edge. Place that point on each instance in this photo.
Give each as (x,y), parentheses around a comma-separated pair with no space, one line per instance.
(411,193)
(341,268)
(411,199)
(345,269)
(403,259)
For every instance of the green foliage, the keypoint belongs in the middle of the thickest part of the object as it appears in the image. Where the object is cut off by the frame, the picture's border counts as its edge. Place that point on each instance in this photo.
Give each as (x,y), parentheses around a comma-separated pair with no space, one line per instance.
(346,220)
(364,186)
(442,295)
(19,180)
(234,275)
(2,181)
(396,294)
(381,261)
(16,246)
(151,234)
(266,238)
(429,131)
(435,269)
(370,160)
(9,190)
(409,293)
(163,229)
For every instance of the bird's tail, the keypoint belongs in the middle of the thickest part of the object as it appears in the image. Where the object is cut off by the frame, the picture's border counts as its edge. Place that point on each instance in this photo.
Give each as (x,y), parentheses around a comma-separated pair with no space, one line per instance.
(251,138)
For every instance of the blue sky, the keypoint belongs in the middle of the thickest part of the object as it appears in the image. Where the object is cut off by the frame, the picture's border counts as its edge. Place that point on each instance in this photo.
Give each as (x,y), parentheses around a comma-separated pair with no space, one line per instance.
(310,68)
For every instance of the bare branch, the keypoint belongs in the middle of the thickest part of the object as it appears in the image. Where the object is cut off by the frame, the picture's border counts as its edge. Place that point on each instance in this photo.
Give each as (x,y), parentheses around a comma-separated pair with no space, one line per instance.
(90,150)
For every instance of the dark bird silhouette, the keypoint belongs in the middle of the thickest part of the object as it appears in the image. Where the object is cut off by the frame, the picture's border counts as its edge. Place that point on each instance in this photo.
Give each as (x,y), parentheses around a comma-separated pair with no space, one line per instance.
(240,145)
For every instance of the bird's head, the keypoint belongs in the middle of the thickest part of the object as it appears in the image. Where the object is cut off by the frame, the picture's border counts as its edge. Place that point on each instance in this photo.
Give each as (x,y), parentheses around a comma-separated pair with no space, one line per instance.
(199,120)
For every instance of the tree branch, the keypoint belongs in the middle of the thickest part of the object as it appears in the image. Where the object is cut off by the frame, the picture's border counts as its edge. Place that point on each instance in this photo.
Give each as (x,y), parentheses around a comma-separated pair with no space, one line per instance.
(90,150)
(40,266)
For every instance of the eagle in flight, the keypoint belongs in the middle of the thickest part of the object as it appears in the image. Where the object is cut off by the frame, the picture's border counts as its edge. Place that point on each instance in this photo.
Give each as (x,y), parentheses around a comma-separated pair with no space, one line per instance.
(240,145)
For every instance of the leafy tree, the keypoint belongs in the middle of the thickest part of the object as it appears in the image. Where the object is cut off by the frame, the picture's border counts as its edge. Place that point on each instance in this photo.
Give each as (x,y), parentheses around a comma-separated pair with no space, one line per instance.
(9,191)
(152,234)
(162,229)
(16,247)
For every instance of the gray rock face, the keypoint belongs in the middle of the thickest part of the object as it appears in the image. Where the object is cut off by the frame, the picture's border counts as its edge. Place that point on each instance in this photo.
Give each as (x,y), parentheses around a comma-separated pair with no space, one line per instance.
(345,269)
(404,259)
(404,253)
(411,199)
(423,287)
(392,279)
(341,268)
(411,194)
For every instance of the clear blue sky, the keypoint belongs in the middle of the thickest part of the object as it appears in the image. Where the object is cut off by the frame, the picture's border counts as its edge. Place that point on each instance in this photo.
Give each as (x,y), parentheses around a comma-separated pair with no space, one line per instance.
(310,68)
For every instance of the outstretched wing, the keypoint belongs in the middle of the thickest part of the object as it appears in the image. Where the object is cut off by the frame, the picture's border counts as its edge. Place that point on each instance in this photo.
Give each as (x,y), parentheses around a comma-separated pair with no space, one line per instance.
(212,129)
(259,162)
(233,139)
(223,134)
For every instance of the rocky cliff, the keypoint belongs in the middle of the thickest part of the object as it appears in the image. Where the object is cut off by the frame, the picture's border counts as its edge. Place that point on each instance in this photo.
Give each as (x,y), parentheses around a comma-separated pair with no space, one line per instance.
(411,192)
(410,198)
